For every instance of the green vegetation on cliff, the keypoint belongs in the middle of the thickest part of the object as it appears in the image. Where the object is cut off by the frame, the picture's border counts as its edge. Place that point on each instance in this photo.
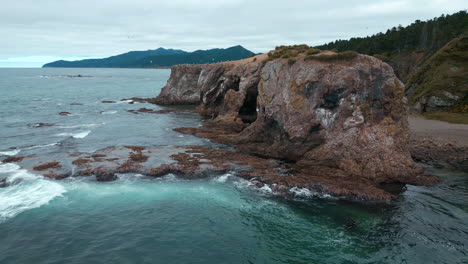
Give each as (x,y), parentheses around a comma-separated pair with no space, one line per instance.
(427,36)
(405,48)
(291,53)
(441,82)
(430,57)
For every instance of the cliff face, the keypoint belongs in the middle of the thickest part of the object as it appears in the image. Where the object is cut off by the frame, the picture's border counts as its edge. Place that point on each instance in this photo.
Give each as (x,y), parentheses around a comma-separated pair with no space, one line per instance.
(441,83)
(185,78)
(345,114)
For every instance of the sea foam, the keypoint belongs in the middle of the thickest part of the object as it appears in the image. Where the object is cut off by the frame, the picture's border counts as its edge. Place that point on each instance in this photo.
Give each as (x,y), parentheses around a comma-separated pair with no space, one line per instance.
(75,135)
(24,191)
(10,152)
(109,112)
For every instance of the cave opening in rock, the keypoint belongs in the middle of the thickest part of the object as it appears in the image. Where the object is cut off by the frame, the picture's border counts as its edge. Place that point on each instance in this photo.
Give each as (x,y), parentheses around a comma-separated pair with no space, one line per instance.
(331,99)
(248,111)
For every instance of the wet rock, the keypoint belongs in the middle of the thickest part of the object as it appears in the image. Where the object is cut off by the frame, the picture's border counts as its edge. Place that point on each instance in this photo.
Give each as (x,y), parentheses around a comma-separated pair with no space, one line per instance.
(129,166)
(64,113)
(81,162)
(135,148)
(76,104)
(3,183)
(47,165)
(439,153)
(98,157)
(108,102)
(138,157)
(137,99)
(151,111)
(192,162)
(164,169)
(42,125)
(57,176)
(13,159)
(104,174)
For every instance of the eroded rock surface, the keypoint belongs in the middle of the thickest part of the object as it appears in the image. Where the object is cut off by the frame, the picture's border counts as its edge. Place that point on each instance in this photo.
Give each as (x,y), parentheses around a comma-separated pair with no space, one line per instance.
(195,162)
(347,116)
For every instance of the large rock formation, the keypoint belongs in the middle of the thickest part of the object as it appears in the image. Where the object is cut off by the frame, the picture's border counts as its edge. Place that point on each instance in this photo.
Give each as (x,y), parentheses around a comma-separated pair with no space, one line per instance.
(346,113)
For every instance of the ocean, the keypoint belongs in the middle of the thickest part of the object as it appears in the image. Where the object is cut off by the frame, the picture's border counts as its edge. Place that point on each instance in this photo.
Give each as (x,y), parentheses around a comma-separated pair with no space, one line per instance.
(217,219)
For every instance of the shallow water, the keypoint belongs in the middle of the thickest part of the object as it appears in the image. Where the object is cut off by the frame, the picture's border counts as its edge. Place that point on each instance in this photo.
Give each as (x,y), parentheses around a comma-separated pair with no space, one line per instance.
(220,219)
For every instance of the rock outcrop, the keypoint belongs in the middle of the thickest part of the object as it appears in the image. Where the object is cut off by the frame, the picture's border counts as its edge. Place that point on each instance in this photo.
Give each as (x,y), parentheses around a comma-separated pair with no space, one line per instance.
(345,113)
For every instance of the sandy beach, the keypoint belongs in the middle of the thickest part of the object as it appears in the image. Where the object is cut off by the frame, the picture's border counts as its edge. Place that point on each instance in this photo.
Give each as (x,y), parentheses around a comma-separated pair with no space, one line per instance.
(421,127)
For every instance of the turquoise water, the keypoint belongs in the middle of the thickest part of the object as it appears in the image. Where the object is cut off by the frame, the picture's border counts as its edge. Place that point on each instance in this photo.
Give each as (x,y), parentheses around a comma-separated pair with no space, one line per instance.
(219,219)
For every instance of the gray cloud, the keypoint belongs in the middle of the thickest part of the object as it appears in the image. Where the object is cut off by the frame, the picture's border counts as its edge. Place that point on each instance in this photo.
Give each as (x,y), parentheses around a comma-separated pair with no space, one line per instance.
(89,28)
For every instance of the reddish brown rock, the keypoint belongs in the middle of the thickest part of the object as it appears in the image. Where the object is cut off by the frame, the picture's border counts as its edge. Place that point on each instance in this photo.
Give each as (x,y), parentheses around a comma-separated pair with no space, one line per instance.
(98,157)
(104,174)
(345,116)
(13,159)
(440,153)
(81,162)
(129,166)
(47,165)
(57,176)
(151,111)
(135,148)
(138,157)
(164,170)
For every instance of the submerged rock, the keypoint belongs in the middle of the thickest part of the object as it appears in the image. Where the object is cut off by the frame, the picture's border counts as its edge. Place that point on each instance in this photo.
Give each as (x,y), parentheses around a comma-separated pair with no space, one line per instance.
(346,115)
(47,165)
(3,183)
(13,159)
(42,125)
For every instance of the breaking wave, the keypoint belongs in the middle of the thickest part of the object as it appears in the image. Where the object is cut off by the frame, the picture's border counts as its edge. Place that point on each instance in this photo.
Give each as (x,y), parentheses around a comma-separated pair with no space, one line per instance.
(24,191)
(10,152)
(75,135)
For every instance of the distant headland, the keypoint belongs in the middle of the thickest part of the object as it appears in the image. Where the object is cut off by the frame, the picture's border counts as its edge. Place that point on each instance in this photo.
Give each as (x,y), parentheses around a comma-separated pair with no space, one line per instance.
(158,58)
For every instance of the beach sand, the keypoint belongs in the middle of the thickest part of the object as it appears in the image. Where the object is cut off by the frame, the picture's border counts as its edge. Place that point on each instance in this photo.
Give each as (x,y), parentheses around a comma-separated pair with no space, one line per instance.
(421,127)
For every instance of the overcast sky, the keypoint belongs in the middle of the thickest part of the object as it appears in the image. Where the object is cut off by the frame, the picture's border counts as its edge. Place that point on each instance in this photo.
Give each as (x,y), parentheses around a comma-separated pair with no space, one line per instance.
(33,32)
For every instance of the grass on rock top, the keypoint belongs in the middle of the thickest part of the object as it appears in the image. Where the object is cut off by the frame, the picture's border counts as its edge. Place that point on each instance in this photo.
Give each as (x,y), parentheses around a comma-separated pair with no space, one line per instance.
(292,52)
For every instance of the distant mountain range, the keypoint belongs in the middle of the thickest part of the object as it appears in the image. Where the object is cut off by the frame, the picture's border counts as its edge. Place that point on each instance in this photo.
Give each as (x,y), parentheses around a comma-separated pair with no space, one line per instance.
(157,58)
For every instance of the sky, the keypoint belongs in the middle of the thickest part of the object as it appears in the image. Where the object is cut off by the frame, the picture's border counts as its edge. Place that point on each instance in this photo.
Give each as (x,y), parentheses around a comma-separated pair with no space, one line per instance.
(34,32)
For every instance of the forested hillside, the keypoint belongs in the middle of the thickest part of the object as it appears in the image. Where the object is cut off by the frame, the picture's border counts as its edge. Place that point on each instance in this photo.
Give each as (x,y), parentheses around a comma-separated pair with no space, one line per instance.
(419,36)
(430,57)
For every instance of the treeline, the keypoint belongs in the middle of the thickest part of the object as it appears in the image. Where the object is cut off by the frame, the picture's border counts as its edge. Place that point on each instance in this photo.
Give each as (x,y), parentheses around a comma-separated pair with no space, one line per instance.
(424,36)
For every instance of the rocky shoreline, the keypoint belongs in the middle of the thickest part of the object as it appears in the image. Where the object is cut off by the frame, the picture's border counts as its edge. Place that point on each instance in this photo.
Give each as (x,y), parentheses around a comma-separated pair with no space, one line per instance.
(346,114)
(315,127)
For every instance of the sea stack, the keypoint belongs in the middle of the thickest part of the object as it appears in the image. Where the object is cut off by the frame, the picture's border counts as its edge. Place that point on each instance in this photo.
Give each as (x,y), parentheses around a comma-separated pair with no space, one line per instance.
(333,113)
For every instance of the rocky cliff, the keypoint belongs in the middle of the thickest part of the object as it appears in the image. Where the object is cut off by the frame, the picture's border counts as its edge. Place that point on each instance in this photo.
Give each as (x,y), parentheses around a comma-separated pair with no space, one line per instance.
(345,112)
